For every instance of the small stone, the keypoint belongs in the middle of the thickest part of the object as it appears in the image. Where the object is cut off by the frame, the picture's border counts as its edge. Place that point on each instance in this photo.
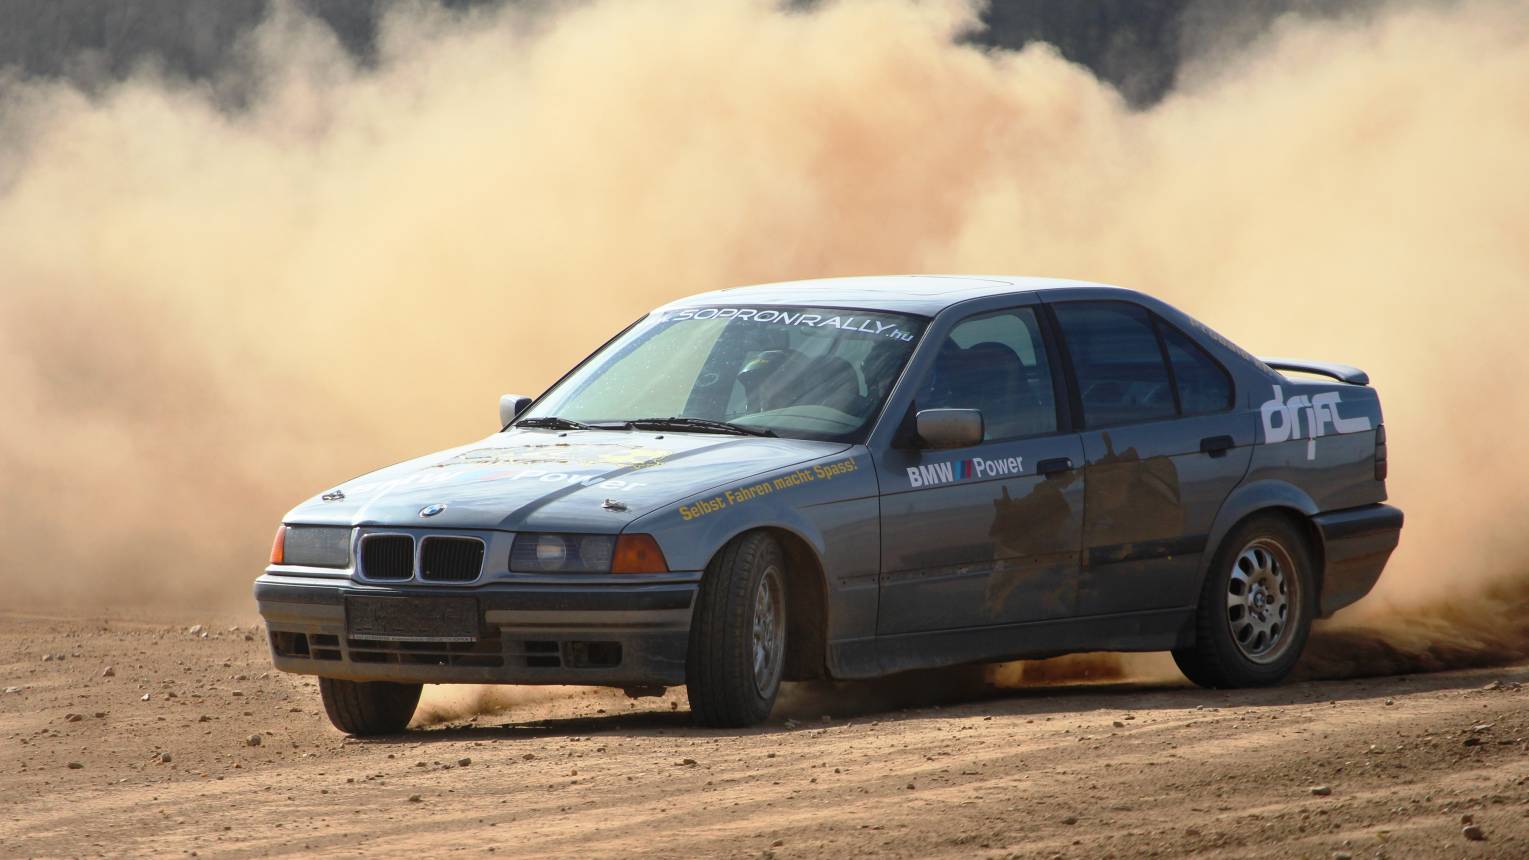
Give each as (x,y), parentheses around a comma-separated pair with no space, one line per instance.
(195,630)
(1495,685)
(164,758)
(144,697)
(1472,742)
(464,761)
(1321,790)
(1071,819)
(1342,855)
(1473,832)
(74,765)
(689,762)
(73,718)
(529,756)
(1467,818)
(414,798)
(1119,725)
(204,719)
(777,843)
(1390,701)
(253,740)
(108,672)
(1481,727)
(13,689)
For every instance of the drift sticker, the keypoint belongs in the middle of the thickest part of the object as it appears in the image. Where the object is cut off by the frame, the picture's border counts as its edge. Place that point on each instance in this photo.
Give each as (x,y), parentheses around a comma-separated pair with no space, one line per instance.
(1282,418)
(951,471)
(844,322)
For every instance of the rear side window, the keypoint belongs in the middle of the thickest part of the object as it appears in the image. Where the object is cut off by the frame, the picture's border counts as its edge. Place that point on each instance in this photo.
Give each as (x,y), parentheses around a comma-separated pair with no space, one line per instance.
(1204,386)
(1122,378)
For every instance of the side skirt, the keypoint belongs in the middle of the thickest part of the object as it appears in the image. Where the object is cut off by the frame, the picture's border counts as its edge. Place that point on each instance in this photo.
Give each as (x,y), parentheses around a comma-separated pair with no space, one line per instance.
(1157,630)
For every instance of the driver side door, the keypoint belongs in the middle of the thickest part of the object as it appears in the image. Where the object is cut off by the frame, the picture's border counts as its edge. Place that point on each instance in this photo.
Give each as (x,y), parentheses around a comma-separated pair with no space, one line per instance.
(988,535)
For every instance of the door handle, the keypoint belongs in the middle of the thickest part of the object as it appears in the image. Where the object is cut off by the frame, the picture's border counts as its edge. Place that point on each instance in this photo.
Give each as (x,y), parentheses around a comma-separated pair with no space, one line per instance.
(1054,466)
(1216,446)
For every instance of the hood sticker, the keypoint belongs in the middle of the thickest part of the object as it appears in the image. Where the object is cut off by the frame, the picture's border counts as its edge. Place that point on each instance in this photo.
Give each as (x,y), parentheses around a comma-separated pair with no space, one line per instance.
(1320,410)
(561,453)
(750,492)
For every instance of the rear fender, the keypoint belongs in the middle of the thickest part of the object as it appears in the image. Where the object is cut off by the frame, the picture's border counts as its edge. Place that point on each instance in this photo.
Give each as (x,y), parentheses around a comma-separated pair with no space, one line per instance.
(1255,497)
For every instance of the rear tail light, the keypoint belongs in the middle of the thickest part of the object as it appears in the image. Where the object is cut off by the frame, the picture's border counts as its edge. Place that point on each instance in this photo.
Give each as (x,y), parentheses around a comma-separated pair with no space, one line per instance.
(279,545)
(1380,453)
(638,554)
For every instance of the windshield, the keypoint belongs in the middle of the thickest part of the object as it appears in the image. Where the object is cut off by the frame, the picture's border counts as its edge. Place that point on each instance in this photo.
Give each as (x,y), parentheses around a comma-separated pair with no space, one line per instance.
(809,373)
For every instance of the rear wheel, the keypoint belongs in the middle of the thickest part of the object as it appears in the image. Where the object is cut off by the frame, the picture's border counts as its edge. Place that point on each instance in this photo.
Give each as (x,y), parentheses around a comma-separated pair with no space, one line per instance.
(369,707)
(1255,610)
(738,636)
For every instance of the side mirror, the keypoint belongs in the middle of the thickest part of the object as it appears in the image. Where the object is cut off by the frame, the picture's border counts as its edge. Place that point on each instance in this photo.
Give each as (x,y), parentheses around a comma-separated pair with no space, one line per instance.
(510,407)
(949,428)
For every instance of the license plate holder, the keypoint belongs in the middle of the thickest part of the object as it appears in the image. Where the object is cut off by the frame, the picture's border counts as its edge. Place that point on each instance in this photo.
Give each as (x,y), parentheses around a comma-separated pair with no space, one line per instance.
(412,619)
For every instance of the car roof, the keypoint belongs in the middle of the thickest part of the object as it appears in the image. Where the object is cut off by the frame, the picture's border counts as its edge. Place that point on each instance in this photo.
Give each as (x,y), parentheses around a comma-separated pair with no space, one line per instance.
(925,295)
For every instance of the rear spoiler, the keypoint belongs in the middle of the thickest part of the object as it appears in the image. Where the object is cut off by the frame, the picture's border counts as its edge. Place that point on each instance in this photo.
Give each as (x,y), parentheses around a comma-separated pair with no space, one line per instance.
(1340,372)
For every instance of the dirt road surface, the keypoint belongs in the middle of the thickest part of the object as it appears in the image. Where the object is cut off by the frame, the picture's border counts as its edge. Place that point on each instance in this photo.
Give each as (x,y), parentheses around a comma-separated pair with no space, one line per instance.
(157,756)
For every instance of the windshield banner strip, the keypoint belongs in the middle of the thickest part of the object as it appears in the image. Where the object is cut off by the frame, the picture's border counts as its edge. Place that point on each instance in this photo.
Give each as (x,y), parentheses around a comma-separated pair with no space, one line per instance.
(866,324)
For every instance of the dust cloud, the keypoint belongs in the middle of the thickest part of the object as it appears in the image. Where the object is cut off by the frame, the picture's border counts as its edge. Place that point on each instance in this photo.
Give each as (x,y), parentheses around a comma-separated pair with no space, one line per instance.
(208,313)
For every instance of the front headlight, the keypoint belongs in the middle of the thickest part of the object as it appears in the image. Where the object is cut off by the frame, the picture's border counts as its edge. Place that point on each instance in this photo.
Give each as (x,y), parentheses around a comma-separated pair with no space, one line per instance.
(554,553)
(316,546)
(536,552)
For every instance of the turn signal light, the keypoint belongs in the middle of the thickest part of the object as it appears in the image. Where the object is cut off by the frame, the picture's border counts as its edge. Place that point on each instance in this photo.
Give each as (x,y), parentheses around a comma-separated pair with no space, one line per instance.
(638,554)
(279,545)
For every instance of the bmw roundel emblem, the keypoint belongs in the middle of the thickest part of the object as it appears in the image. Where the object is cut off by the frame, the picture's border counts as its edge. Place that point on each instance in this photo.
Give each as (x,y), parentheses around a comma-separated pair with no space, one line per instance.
(431,510)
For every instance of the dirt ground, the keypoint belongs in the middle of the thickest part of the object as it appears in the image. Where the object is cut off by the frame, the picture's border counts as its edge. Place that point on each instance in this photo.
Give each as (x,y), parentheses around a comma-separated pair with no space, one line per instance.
(156,757)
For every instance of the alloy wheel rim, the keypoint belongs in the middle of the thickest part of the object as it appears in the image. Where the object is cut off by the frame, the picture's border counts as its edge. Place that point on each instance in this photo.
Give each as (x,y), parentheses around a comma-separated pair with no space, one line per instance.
(1262,600)
(769,631)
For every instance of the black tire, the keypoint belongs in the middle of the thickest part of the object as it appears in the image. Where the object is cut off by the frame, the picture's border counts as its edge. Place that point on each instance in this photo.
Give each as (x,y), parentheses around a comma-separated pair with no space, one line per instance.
(1228,650)
(725,689)
(369,707)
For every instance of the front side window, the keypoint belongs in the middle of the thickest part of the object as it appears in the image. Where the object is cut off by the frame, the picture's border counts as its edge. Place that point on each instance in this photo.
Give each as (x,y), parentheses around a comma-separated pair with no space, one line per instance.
(996,363)
(1122,378)
(804,372)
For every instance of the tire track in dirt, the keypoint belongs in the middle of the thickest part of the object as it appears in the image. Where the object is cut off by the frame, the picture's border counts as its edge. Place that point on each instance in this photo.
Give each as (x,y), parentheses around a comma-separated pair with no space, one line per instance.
(1137,769)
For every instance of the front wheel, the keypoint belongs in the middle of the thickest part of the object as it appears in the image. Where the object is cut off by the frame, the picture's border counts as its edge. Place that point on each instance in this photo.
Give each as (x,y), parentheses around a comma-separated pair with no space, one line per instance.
(738,636)
(369,707)
(1255,610)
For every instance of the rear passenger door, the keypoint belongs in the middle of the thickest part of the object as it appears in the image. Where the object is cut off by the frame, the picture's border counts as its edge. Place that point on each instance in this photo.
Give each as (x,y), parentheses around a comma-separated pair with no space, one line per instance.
(987,535)
(1163,446)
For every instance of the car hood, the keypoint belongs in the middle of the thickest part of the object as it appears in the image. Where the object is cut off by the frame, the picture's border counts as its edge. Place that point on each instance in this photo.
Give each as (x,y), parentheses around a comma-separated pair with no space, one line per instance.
(548,480)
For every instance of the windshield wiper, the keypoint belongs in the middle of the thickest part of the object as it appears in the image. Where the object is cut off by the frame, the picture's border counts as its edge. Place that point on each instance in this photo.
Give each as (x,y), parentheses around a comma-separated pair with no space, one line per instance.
(552,422)
(702,424)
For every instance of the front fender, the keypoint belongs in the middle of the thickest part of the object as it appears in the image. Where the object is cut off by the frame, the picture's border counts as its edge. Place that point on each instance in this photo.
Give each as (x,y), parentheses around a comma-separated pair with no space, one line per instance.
(830,503)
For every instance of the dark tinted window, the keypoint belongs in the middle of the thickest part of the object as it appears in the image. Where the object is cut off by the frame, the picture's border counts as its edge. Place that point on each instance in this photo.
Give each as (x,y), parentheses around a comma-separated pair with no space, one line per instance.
(1204,386)
(995,363)
(1121,375)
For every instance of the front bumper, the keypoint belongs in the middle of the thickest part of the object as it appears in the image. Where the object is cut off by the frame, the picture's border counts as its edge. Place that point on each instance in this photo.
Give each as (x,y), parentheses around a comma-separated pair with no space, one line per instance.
(603,635)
